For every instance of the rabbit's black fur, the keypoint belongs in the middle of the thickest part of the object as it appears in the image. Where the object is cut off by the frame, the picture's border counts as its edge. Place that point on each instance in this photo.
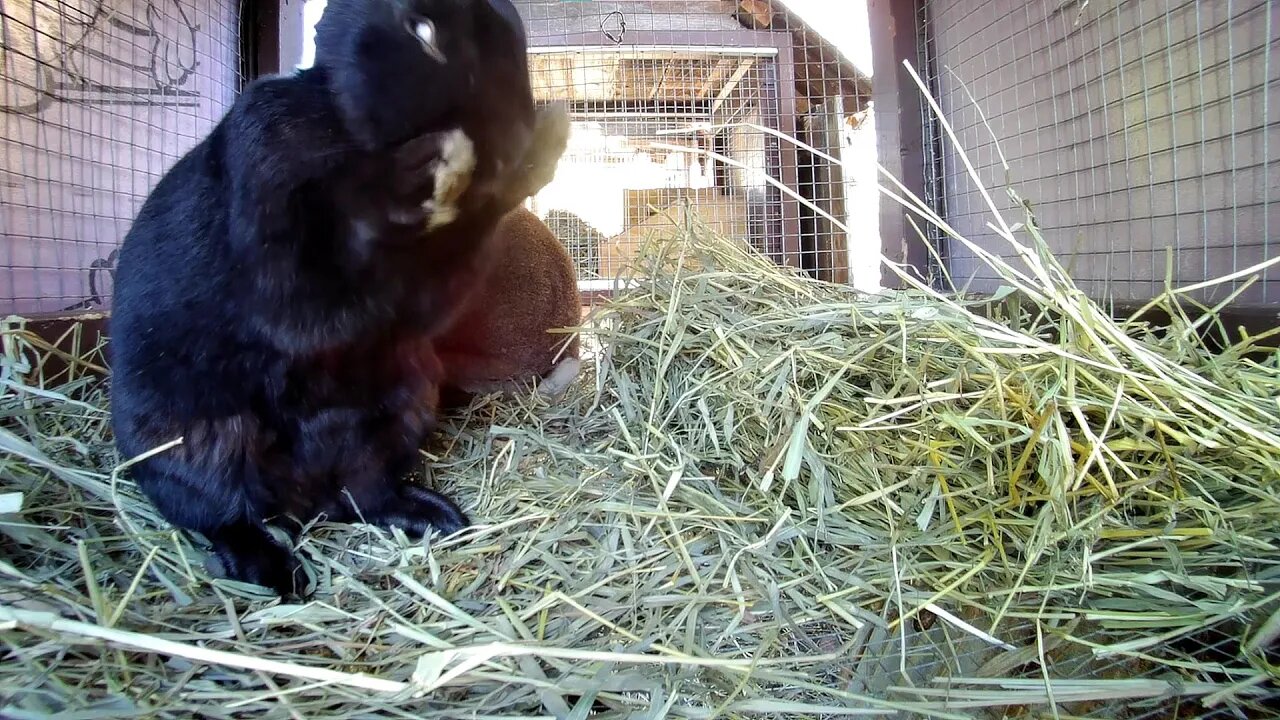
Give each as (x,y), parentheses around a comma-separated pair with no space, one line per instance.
(272,310)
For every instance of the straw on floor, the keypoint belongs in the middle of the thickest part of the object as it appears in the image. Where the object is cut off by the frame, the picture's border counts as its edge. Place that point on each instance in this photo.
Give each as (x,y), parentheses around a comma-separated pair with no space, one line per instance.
(766,497)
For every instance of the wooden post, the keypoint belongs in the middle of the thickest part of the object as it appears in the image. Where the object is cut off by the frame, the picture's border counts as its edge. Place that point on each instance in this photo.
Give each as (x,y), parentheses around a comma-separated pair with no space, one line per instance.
(832,243)
(260,38)
(899,129)
(788,120)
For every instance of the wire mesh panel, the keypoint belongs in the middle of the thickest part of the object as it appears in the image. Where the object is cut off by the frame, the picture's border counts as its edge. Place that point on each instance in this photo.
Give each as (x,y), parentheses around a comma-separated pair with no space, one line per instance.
(99,97)
(677,108)
(1144,135)
(634,159)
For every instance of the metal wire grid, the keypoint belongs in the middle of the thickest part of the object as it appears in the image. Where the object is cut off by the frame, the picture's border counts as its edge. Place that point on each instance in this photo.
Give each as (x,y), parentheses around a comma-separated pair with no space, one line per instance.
(99,97)
(621,181)
(934,143)
(1133,128)
(644,75)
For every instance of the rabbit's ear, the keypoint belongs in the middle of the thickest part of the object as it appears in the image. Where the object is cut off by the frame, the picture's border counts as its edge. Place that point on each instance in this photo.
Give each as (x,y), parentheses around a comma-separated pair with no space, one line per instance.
(550,139)
(554,125)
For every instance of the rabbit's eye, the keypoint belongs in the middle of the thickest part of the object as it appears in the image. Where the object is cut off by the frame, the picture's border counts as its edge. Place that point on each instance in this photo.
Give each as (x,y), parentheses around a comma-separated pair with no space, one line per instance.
(425,31)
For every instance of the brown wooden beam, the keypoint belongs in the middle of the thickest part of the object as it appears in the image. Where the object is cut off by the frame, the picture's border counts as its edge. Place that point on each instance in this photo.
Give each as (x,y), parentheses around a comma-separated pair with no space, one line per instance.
(1235,322)
(744,67)
(637,40)
(759,13)
(259,37)
(717,75)
(74,345)
(71,336)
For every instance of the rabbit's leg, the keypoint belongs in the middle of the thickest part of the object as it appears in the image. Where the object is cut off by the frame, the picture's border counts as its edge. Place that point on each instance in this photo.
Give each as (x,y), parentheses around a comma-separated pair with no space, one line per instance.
(211,484)
(365,455)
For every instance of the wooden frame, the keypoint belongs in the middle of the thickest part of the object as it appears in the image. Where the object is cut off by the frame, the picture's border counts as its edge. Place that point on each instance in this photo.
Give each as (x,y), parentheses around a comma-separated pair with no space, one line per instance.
(259,38)
(55,329)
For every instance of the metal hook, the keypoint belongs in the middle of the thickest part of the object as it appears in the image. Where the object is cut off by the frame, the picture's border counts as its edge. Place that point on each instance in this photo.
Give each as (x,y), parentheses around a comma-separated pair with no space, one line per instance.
(622,27)
(97,296)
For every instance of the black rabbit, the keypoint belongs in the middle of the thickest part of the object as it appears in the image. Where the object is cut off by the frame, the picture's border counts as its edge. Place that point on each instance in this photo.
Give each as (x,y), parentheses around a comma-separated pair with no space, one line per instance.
(277,293)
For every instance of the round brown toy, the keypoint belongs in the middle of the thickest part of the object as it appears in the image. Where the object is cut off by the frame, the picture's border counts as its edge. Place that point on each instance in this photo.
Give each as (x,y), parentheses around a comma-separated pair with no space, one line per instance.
(500,339)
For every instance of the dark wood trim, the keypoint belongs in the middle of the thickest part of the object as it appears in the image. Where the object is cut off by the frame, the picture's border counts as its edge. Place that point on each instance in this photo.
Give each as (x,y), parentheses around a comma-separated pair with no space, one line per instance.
(723,39)
(899,129)
(1234,322)
(72,352)
(259,38)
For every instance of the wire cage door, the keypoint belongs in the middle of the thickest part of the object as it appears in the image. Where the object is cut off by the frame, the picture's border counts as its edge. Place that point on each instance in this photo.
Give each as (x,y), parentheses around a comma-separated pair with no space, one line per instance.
(654,135)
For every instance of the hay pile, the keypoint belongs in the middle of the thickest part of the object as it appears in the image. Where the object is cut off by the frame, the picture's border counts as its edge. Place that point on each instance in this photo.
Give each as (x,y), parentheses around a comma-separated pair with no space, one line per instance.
(767,497)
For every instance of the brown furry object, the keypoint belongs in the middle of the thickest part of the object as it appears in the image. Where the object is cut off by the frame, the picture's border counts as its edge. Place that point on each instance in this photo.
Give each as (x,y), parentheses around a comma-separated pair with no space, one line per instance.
(500,339)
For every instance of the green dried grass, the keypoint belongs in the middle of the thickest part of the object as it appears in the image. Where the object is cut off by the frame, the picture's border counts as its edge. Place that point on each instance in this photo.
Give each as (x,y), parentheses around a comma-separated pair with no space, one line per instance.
(766,497)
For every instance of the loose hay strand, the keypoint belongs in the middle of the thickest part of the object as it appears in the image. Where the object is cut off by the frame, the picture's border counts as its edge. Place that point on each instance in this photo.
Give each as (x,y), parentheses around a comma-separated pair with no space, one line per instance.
(149,643)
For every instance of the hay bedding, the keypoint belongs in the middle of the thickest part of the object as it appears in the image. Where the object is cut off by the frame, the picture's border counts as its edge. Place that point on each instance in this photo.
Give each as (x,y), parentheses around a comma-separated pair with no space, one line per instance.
(767,497)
